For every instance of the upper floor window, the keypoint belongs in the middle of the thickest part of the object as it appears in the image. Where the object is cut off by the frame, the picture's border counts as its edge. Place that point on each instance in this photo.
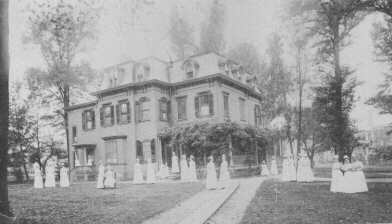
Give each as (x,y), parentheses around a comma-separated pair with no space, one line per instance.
(189,70)
(204,105)
(123,112)
(164,109)
(153,151)
(107,115)
(181,106)
(226,104)
(143,109)
(227,69)
(74,134)
(242,109)
(142,72)
(257,111)
(139,150)
(111,152)
(88,120)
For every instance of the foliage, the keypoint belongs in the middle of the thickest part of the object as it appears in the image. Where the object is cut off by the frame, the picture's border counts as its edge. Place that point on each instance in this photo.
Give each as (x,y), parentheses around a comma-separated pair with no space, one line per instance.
(212,32)
(181,34)
(248,56)
(383,153)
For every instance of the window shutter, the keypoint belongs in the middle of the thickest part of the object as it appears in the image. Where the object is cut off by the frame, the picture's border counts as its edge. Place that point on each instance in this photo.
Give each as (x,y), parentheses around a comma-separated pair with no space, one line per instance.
(112,114)
(118,113)
(83,121)
(93,119)
(211,103)
(128,112)
(197,106)
(168,110)
(255,115)
(101,117)
(138,111)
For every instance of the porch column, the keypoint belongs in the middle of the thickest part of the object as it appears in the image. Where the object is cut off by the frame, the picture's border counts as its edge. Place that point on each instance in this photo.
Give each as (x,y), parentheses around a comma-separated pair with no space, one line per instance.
(84,165)
(159,151)
(231,151)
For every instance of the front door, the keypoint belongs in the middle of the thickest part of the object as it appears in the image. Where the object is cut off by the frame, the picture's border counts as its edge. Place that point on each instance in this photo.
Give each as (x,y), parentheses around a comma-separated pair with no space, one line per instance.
(167,155)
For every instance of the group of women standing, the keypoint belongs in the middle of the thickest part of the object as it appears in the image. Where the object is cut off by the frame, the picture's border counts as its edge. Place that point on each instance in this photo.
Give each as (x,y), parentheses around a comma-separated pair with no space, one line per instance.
(348,177)
(301,174)
(50,179)
(212,179)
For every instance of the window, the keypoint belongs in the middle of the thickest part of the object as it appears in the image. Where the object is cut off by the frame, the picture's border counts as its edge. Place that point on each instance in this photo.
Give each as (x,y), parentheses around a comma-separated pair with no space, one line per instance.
(257,115)
(143,109)
(115,81)
(88,120)
(123,112)
(242,109)
(111,83)
(74,134)
(204,105)
(153,151)
(181,106)
(140,74)
(139,150)
(164,109)
(189,70)
(226,104)
(107,115)
(227,69)
(111,152)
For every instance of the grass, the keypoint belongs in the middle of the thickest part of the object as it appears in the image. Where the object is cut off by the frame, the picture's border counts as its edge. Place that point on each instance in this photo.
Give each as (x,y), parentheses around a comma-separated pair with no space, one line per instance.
(314,203)
(370,173)
(83,203)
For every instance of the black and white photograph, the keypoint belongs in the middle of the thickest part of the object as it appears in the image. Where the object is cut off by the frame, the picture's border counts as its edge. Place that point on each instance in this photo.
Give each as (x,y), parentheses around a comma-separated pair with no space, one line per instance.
(195,111)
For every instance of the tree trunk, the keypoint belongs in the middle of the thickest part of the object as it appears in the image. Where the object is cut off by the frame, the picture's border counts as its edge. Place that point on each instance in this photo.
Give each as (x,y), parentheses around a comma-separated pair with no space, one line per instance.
(66,104)
(26,172)
(300,104)
(4,106)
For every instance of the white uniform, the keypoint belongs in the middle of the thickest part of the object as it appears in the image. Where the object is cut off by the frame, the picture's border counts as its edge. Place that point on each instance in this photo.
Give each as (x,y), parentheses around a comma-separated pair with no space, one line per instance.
(337,177)
(175,168)
(38,183)
(211,182)
(360,181)
(184,170)
(286,170)
(192,176)
(274,169)
(64,181)
(150,174)
(101,174)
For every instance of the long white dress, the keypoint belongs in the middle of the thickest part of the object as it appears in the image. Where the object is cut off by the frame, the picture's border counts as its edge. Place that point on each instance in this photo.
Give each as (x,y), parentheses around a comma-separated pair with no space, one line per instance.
(337,177)
(286,170)
(300,176)
(212,181)
(50,178)
(360,181)
(175,168)
(184,170)
(101,174)
(110,179)
(38,183)
(307,171)
(224,176)
(64,181)
(137,174)
(192,176)
(264,170)
(150,174)
(347,184)
(161,172)
(274,169)
(166,171)
(293,170)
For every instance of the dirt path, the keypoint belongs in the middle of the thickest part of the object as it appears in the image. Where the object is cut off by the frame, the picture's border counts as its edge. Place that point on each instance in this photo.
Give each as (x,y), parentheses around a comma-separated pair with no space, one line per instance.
(233,209)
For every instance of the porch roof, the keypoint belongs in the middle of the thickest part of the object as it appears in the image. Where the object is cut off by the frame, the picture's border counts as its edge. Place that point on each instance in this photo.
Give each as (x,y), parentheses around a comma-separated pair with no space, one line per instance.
(84,145)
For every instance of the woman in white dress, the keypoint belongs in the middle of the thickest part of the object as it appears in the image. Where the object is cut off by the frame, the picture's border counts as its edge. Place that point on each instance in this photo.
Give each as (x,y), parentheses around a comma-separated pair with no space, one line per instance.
(347,184)
(211,182)
(50,180)
(264,169)
(307,169)
(64,180)
(337,175)
(300,177)
(161,172)
(101,175)
(38,183)
(167,173)
(192,176)
(184,169)
(224,176)
(274,169)
(175,168)
(150,172)
(110,178)
(286,169)
(293,170)
(137,173)
(360,181)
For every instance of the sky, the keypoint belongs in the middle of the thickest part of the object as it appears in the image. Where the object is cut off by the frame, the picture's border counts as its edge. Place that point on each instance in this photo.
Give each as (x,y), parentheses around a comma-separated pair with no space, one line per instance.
(247,21)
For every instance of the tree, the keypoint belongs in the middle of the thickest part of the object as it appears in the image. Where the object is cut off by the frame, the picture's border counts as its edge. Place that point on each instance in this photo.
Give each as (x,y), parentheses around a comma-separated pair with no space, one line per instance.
(59,30)
(329,23)
(181,34)
(4,106)
(248,56)
(212,32)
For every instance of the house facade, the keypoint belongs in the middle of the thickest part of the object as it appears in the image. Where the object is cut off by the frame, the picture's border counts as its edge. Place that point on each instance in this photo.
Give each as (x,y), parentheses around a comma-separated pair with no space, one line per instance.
(138,98)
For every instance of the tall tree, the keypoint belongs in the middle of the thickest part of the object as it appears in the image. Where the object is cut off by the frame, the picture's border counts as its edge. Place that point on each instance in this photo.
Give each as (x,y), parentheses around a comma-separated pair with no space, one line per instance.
(212,33)
(181,34)
(4,105)
(329,23)
(248,56)
(60,29)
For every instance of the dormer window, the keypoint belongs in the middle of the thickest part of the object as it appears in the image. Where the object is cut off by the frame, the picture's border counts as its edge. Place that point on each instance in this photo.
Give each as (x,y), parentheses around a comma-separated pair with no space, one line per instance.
(227,69)
(140,74)
(189,70)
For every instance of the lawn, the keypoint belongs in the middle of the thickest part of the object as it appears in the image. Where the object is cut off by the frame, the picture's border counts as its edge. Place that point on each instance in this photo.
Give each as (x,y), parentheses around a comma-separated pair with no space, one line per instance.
(370,173)
(83,203)
(314,203)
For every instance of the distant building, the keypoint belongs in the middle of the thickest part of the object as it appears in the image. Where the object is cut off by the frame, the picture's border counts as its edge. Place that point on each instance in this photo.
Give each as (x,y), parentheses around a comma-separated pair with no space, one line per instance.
(138,98)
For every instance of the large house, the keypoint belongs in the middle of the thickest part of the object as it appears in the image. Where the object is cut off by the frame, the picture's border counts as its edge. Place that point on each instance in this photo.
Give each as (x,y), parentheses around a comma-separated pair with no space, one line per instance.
(138,98)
